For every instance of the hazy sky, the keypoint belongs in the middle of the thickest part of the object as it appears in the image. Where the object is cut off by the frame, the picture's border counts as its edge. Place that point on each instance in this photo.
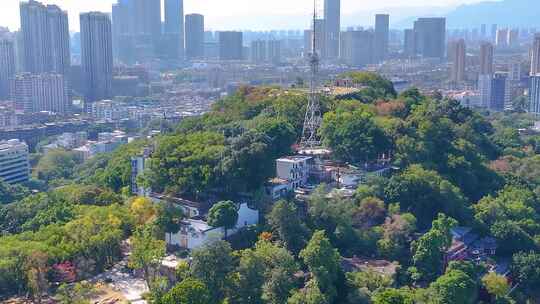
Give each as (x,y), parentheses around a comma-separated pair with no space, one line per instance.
(232,14)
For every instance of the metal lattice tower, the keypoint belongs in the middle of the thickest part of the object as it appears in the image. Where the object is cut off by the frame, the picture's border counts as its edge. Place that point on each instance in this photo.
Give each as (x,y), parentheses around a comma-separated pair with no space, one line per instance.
(313,118)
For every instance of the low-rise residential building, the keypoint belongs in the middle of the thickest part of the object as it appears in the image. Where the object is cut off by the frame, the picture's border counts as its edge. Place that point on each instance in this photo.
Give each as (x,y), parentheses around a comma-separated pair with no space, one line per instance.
(294,169)
(109,110)
(467,245)
(14,165)
(292,172)
(107,143)
(70,141)
(196,232)
(191,209)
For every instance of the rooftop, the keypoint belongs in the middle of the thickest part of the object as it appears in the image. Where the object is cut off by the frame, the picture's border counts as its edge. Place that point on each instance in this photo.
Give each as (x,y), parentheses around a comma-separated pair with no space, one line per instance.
(294,158)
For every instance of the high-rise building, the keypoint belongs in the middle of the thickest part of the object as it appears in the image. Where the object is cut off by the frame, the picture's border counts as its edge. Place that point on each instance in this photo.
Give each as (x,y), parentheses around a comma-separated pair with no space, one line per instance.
(501,40)
(40,92)
(121,30)
(320,38)
(485,77)
(535,56)
(332,27)
(274,51)
(145,17)
(230,45)
(194,36)
(484,89)
(498,92)
(174,16)
(483,31)
(409,44)
(357,48)
(382,30)
(258,51)
(486,58)
(14,163)
(513,82)
(59,39)
(513,38)
(430,37)
(96,56)
(534,94)
(45,37)
(7,66)
(459,61)
(174,25)
(137,31)
(494,32)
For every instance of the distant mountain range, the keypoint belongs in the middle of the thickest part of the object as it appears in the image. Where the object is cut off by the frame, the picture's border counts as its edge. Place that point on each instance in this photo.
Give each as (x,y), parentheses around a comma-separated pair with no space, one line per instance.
(507,13)
(510,13)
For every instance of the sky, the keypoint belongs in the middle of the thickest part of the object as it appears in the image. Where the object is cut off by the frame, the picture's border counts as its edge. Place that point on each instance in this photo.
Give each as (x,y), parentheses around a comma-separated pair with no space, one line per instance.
(242,14)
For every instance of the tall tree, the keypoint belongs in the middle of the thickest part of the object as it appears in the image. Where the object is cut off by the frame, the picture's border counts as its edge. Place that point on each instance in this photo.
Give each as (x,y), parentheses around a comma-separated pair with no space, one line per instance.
(425,194)
(223,214)
(285,222)
(428,251)
(454,287)
(353,136)
(168,218)
(496,285)
(146,254)
(324,263)
(212,265)
(189,291)
(36,273)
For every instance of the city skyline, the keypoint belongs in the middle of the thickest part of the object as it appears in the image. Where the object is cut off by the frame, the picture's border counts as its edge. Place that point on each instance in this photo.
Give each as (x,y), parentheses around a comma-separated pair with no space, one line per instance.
(237,15)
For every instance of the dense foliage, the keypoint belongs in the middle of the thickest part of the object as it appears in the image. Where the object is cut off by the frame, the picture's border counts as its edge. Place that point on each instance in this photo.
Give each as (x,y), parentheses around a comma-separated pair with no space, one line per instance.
(386,242)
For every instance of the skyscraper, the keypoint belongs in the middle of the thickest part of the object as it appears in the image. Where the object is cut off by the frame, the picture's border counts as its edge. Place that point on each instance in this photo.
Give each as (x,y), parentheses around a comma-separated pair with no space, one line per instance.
(535,56)
(174,16)
(513,38)
(174,25)
(7,66)
(430,37)
(58,28)
(534,94)
(357,48)
(137,30)
(230,45)
(194,36)
(332,27)
(258,51)
(121,30)
(321,46)
(485,89)
(485,75)
(409,44)
(274,51)
(96,56)
(486,58)
(458,64)
(45,38)
(382,30)
(145,17)
(498,92)
(494,32)
(501,40)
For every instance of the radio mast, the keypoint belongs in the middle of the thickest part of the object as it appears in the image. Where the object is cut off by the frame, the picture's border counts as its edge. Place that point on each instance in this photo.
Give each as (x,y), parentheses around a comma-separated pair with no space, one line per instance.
(313,118)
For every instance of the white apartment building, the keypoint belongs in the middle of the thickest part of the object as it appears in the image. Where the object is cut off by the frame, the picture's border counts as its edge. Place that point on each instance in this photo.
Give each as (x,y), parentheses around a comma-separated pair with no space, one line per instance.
(294,169)
(14,165)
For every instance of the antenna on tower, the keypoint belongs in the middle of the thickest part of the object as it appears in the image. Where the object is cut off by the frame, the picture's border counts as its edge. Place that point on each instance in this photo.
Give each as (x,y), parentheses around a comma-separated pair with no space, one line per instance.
(313,118)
